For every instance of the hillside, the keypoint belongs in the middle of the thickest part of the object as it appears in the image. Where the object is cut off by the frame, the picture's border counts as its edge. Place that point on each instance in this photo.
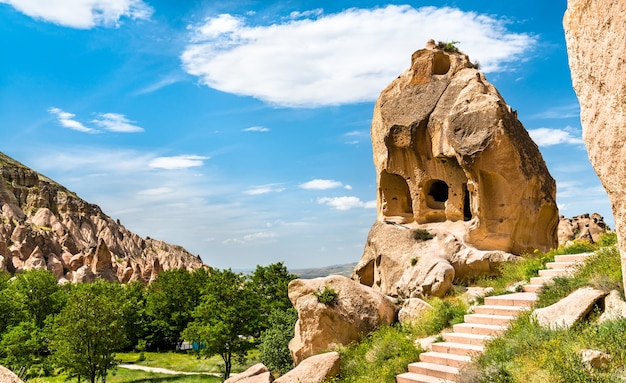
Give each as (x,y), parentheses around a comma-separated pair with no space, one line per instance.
(46,226)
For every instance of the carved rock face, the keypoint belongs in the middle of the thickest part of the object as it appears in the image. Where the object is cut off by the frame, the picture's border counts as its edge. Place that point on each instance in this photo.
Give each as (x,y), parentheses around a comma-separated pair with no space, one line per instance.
(595,32)
(448,148)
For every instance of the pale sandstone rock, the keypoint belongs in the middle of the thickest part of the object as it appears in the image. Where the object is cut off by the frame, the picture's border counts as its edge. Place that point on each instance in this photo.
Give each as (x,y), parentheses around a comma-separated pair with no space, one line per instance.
(83,275)
(614,307)
(357,311)
(102,266)
(412,309)
(255,374)
(77,261)
(447,149)
(35,261)
(396,264)
(586,227)
(569,310)
(314,369)
(595,33)
(55,266)
(594,359)
(7,376)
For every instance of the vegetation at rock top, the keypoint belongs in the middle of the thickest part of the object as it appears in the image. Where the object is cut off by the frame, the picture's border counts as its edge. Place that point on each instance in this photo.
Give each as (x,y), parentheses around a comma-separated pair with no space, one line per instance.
(77,329)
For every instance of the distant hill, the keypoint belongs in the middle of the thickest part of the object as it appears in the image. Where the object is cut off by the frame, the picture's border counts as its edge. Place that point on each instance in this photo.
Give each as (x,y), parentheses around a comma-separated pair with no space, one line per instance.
(345,270)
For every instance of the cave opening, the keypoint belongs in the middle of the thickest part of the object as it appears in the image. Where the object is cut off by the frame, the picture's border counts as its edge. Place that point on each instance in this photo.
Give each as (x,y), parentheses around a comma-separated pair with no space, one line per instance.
(437,194)
(467,208)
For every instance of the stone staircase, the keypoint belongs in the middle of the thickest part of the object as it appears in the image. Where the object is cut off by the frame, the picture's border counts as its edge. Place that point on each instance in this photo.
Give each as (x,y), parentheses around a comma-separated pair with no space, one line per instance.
(443,362)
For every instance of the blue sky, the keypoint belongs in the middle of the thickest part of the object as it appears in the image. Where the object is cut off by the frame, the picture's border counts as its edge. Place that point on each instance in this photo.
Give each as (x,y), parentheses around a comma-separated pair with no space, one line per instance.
(240,130)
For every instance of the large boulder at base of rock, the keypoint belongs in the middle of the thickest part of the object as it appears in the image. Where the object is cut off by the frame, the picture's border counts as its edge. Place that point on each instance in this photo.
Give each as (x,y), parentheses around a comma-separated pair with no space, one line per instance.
(356,311)
(569,310)
(447,147)
(614,307)
(399,263)
(315,369)
(586,227)
(7,376)
(412,309)
(255,374)
(595,33)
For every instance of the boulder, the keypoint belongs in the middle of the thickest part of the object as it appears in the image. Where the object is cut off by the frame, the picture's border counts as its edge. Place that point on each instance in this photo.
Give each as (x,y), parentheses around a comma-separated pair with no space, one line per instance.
(594,359)
(586,227)
(356,311)
(35,261)
(569,310)
(614,307)
(55,266)
(595,33)
(314,369)
(412,309)
(397,264)
(102,266)
(255,374)
(7,376)
(83,275)
(448,149)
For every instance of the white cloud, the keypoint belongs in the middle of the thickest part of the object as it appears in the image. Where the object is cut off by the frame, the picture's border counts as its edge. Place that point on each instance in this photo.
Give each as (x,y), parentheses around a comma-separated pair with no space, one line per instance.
(82,14)
(264,189)
(558,112)
(256,129)
(346,203)
(114,122)
(318,184)
(549,137)
(339,58)
(67,121)
(264,237)
(156,191)
(177,162)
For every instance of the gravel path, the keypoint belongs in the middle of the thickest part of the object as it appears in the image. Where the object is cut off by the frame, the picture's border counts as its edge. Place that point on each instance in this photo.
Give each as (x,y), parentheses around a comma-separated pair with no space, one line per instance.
(160,370)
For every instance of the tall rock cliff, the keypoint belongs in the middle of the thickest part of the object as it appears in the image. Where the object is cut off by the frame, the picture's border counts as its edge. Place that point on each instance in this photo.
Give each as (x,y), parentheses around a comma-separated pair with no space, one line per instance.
(45,226)
(595,33)
(451,155)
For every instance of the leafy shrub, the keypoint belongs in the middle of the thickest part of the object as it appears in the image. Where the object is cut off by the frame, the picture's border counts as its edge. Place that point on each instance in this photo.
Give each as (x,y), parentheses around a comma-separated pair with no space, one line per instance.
(327,296)
(448,46)
(274,342)
(444,313)
(422,235)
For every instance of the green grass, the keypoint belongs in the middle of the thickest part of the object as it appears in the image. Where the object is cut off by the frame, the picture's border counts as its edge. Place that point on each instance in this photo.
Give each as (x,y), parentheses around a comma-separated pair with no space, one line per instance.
(121,375)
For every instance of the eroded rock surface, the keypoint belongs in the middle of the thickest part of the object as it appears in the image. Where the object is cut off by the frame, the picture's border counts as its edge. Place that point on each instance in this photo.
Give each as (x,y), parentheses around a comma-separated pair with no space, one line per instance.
(595,33)
(258,373)
(569,310)
(589,227)
(356,311)
(45,226)
(315,369)
(447,148)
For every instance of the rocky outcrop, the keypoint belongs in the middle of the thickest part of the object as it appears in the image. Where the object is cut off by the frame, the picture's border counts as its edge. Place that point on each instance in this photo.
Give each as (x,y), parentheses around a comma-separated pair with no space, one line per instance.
(614,307)
(569,310)
(447,148)
(7,376)
(595,33)
(45,226)
(315,369)
(397,264)
(586,227)
(412,309)
(258,373)
(354,311)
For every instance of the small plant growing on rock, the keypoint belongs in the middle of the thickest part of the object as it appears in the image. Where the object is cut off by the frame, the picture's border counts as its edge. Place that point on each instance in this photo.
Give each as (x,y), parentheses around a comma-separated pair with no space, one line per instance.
(448,46)
(421,235)
(327,296)
(414,261)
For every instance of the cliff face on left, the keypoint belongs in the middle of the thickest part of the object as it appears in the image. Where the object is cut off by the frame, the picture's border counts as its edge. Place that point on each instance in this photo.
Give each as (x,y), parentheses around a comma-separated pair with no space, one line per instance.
(45,226)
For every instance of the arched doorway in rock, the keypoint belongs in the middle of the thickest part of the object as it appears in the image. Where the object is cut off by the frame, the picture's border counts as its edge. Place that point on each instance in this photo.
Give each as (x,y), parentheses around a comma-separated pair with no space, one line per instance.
(436,194)
(395,195)
(467,207)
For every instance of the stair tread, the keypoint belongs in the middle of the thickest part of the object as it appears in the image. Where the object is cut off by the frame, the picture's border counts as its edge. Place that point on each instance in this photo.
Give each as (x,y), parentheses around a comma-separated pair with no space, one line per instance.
(495,316)
(446,355)
(464,346)
(421,378)
(435,367)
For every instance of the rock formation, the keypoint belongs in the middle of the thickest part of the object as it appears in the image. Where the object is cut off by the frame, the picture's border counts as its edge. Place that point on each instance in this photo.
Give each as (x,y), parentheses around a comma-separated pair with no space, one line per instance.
(45,226)
(586,227)
(569,310)
(448,149)
(595,33)
(315,369)
(258,373)
(7,376)
(356,311)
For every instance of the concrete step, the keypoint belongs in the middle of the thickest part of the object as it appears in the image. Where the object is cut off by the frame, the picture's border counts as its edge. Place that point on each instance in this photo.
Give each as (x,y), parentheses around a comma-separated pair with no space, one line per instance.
(499,310)
(581,257)
(480,329)
(499,320)
(411,377)
(561,265)
(540,280)
(457,348)
(434,370)
(555,273)
(515,299)
(532,288)
(464,338)
(445,359)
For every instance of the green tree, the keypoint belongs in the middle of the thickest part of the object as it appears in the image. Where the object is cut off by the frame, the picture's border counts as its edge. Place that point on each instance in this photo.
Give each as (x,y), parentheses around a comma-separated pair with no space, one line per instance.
(170,302)
(274,342)
(226,319)
(89,330)
(270,283)
(24,347)
(40,294)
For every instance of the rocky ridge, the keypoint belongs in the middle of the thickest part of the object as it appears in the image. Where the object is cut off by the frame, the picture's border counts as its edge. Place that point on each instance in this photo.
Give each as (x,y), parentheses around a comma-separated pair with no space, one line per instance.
(43,225)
